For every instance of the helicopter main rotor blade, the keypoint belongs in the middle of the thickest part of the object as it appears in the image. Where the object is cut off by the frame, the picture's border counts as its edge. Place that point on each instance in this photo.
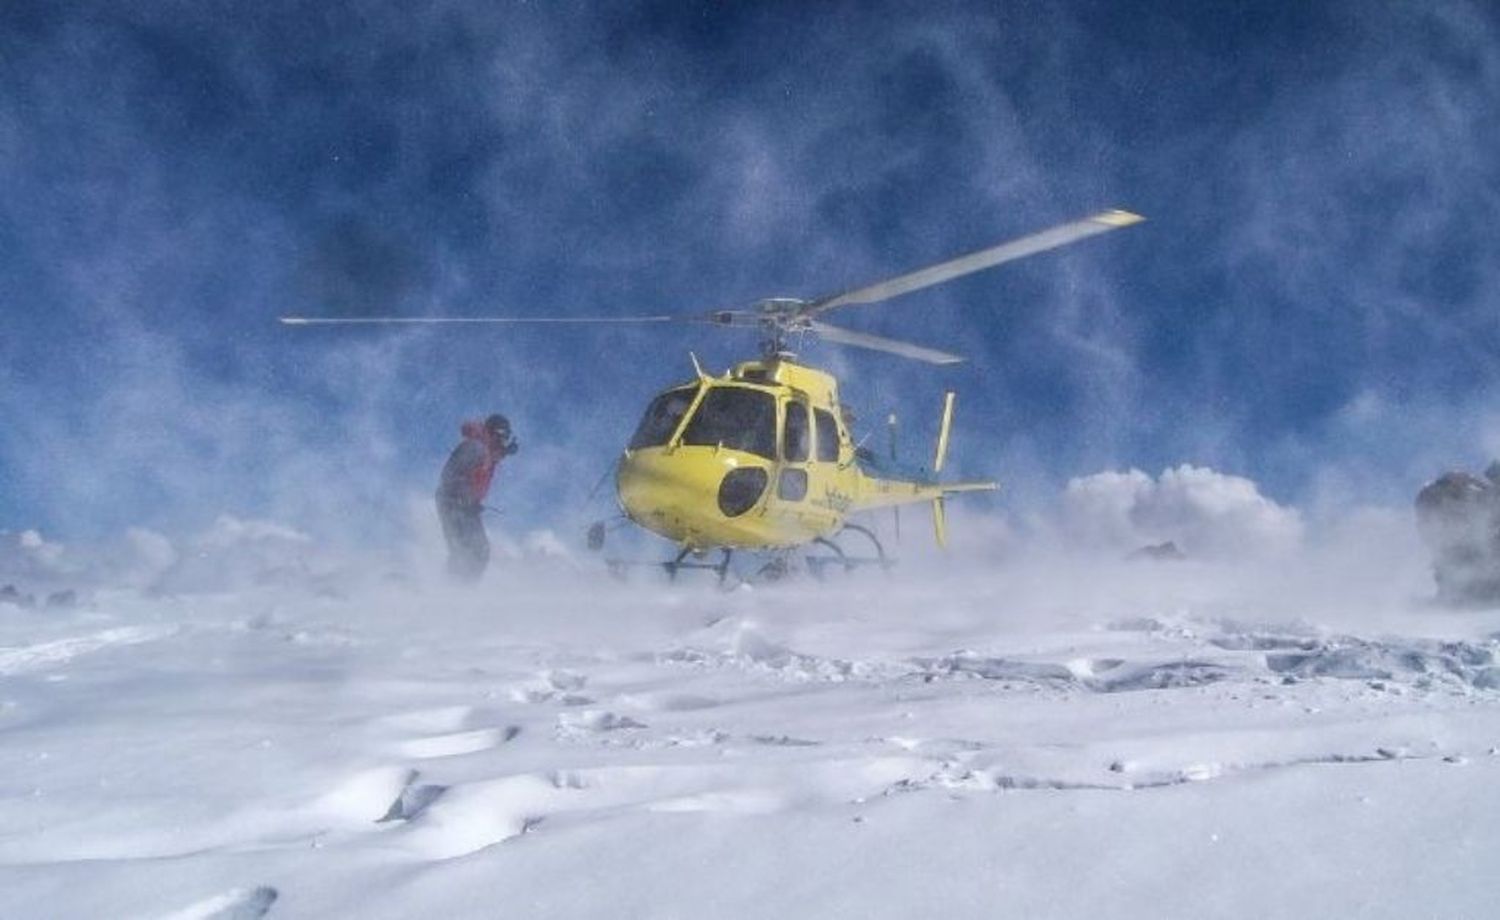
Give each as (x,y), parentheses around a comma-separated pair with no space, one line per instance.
(507,320)
(1061,235)
(879,343)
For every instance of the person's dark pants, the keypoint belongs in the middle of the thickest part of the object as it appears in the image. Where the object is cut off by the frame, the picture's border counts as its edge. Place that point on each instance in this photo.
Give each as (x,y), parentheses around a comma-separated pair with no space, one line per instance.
(468,544)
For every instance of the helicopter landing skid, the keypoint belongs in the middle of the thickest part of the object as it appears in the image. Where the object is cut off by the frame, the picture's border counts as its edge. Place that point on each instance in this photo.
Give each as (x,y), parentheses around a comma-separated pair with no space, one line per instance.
(840,558)
(618,567)
(781,565)
(721,567)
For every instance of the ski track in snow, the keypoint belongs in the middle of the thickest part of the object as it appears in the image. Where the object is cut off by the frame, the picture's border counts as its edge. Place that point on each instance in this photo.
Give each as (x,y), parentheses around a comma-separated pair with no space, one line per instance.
(41,655)
(407,745)
(240,904)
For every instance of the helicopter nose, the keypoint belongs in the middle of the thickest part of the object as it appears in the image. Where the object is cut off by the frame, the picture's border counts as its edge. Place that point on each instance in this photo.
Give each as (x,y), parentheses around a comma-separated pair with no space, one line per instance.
(687,498)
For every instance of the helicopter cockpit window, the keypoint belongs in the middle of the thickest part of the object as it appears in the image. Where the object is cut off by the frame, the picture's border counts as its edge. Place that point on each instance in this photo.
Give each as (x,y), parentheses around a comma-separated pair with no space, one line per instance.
(828,435)
(662,417)
(796,437)
(737,418)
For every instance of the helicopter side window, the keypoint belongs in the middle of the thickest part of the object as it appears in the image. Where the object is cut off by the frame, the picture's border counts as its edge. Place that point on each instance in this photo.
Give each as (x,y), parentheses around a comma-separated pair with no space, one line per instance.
(738,418)
(662,417)
(796,437)
(828,435)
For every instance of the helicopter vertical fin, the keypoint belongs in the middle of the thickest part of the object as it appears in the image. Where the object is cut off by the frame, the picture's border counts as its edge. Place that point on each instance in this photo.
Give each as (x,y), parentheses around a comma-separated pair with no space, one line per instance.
(943,429)
(940,522)
(939,513)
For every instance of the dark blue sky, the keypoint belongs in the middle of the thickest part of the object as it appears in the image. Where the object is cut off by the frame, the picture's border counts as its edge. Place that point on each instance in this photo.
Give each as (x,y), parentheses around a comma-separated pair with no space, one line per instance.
(1314,304)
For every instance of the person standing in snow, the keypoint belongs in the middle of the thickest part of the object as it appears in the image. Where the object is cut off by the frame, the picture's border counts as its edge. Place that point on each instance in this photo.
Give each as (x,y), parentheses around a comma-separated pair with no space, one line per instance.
(461,492)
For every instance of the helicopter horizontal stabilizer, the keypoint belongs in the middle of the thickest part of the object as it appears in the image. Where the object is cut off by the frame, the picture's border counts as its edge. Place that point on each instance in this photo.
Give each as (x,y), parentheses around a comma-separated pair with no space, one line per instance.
(951,487)
(939,511)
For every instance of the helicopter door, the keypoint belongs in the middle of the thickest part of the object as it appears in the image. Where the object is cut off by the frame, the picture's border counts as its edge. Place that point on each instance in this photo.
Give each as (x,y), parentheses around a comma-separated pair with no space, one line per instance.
(828,436)
(796,450)
(821,511)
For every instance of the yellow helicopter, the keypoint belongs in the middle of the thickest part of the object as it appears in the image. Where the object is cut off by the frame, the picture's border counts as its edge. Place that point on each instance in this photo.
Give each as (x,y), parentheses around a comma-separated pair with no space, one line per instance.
(761,458)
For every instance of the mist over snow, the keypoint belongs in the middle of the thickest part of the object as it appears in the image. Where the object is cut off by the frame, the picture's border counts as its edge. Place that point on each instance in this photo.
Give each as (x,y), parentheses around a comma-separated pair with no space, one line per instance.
(1200,511)
(1186,662)
(29,555)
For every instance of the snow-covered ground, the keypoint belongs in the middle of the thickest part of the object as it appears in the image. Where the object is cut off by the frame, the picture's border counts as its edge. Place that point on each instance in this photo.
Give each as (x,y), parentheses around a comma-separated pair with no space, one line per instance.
(1028,739)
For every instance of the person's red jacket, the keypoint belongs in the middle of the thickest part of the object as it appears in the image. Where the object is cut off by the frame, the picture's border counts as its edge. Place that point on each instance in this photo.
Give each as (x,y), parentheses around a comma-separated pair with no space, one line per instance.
(471,467)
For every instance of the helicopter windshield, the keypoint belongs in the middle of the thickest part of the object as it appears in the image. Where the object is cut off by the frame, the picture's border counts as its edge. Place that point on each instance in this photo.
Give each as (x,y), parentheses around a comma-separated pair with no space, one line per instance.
(738,418)
(662,417)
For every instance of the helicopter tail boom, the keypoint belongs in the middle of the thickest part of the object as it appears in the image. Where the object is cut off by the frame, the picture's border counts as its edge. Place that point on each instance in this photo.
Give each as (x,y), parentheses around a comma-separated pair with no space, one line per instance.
(882,492)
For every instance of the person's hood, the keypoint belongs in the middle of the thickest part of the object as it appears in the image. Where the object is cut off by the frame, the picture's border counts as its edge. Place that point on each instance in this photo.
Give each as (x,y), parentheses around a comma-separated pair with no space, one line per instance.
(473,429)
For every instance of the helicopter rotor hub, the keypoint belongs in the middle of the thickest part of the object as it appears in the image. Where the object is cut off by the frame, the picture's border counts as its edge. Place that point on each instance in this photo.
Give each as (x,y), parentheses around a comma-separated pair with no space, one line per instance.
(778,318)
